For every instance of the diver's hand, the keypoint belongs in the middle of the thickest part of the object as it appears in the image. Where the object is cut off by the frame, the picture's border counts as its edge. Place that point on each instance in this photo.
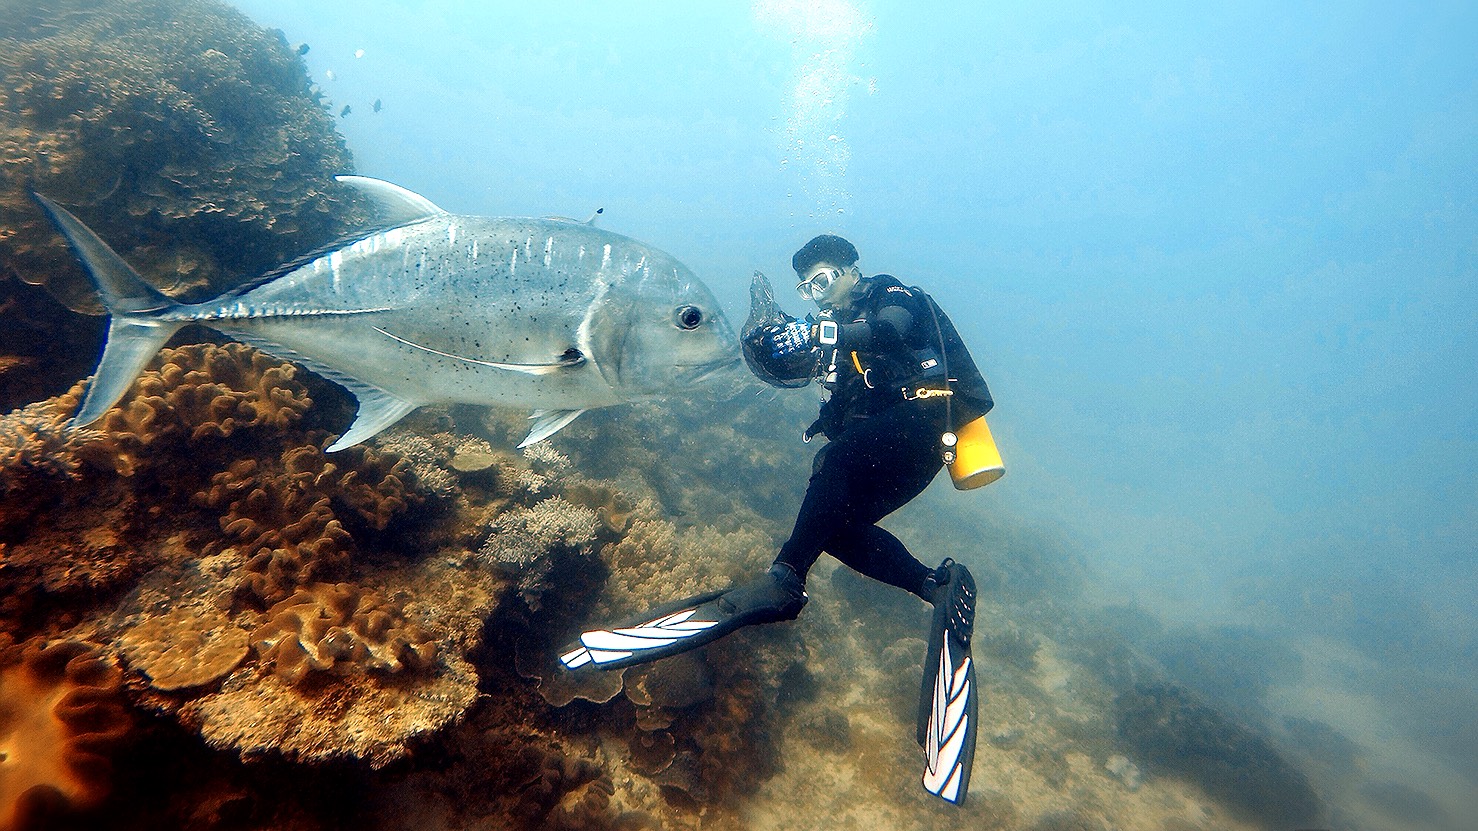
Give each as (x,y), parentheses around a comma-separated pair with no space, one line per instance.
(794,337)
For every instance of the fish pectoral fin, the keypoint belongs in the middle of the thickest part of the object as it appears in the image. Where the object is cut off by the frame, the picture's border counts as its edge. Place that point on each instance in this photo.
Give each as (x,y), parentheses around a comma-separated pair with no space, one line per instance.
(547,423)
(393,204)
(377,410)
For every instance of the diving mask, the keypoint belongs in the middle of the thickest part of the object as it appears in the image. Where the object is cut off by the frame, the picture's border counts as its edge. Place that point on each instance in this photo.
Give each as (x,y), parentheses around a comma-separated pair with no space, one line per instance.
(817,284)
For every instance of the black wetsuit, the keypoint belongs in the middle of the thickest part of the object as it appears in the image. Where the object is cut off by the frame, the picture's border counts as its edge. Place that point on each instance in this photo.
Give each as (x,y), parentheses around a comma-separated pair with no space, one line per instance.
(884,447)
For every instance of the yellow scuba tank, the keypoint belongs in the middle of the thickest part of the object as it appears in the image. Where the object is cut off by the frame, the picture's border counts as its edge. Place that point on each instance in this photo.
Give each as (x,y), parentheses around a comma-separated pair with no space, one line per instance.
(977,460)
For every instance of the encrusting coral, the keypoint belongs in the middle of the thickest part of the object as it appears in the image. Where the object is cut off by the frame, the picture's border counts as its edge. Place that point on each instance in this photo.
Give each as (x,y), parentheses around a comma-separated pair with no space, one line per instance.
(185,647)
(82,505)
(197,394)
(62,715)
(220,436)
(188,138)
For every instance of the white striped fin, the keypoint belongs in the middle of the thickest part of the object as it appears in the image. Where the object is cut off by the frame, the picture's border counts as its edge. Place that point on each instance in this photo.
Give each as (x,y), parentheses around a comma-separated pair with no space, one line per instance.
(575,658)
(949,726)
(606,645)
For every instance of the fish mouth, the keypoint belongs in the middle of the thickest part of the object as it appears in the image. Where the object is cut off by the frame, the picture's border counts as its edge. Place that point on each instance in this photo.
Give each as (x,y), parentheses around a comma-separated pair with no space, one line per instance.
(698,373)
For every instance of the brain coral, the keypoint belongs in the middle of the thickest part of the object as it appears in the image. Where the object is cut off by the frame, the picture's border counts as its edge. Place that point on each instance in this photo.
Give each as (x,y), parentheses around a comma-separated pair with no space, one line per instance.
(198,392)
(187,136)
(60,715)
(343,628)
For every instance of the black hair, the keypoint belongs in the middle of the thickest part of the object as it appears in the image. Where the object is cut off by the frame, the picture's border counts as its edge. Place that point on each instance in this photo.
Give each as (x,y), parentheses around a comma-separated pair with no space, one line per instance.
(827,248)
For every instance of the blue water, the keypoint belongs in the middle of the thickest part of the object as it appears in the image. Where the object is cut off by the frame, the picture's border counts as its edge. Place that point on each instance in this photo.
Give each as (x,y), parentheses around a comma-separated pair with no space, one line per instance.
(1219,263)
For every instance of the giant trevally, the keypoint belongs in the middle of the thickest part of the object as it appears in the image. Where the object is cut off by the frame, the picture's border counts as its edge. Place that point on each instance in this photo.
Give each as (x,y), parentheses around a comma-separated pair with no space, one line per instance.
(549,314)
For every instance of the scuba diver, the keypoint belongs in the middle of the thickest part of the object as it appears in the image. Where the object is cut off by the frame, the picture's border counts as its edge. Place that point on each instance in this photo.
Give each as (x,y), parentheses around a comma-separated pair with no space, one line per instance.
(898,379)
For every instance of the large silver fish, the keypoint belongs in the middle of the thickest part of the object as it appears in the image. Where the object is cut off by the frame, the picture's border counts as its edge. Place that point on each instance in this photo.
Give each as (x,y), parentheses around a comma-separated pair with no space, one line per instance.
(549,314)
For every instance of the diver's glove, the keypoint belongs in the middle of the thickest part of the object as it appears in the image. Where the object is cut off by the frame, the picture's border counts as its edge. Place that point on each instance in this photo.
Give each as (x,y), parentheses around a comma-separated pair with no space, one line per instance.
(790,339)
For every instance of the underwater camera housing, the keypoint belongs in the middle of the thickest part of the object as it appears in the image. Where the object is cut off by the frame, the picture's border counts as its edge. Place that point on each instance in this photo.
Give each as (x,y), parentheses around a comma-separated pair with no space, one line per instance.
(789,370)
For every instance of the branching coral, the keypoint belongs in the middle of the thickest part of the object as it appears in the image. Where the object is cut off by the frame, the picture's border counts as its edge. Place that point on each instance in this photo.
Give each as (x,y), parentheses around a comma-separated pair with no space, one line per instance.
(531,542)
(343,628)
(188,135)
(61,715)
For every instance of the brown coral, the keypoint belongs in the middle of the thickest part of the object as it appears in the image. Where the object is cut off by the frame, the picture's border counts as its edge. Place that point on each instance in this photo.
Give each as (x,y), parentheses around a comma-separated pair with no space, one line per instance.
(615,509)
(286,517)
(85,511)
(190,137)
(343,628)
(60,716)
(185,647)
(197,393)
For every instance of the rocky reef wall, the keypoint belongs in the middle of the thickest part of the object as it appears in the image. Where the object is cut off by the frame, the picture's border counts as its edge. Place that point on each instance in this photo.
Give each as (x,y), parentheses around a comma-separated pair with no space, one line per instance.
(189,138)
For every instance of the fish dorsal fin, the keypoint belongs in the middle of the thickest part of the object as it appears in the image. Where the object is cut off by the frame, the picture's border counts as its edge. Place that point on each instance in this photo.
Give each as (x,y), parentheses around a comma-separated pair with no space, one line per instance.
(590,221)
(547,423)
(394,205)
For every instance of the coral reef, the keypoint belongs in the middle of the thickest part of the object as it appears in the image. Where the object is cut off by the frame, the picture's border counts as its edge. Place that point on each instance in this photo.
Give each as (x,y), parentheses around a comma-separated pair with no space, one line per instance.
(61,717)
(86,511)
(342,628)
(197,394)
(332,613)
(185,647)
(531,542)
(289,515)
(260,519)
(188,138)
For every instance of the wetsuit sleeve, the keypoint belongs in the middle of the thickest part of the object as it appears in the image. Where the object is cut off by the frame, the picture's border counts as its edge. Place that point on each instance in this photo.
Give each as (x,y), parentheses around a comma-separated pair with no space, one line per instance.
(885,332)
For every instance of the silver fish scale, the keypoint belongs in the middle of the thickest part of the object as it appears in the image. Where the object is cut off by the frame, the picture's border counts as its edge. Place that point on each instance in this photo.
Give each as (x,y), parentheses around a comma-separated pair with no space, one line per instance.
(461,290)
(552,315)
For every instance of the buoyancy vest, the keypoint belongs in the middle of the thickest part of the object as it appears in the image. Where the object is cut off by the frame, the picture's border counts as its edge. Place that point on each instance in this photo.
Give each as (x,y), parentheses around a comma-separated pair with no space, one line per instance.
(869,380)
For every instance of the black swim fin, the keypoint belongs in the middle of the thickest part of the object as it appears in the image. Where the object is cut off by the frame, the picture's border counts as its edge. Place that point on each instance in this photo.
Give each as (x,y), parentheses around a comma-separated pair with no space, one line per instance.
(689,624)
(947,700)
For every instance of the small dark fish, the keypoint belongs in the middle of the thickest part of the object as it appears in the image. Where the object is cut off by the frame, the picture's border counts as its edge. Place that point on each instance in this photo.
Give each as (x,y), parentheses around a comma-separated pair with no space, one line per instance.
(347,109)
(303,49)
(378,105)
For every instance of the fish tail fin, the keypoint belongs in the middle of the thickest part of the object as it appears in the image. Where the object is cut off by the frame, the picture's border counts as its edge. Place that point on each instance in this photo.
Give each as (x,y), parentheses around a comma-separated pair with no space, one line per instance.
(135,333)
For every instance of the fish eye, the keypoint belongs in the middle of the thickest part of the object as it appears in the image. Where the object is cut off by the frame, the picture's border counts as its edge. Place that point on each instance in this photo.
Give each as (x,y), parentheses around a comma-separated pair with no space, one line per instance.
(688,317)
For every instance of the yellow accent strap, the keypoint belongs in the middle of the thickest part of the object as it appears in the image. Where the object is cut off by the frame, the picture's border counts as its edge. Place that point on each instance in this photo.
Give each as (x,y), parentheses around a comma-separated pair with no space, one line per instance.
(858,363)
(924,393)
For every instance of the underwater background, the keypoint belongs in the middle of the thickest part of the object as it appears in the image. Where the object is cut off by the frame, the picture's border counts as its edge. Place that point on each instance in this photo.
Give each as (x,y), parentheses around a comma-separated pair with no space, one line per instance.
(1219,264)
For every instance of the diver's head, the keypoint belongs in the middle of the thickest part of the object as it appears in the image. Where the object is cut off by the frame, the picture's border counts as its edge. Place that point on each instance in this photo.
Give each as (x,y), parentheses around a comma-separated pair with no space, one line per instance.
(827,268)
